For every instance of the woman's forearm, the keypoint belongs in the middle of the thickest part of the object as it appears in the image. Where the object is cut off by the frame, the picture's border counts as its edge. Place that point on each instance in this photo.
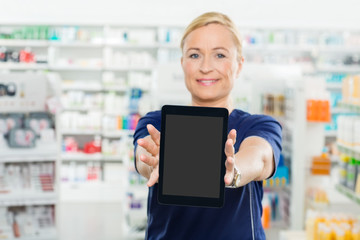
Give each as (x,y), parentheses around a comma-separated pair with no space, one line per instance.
(255,160)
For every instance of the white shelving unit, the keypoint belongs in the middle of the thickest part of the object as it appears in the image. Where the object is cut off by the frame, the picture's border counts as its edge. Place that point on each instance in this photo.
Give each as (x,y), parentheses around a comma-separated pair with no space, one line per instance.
(44,152)
(28,199)
(81,157)
(42,190)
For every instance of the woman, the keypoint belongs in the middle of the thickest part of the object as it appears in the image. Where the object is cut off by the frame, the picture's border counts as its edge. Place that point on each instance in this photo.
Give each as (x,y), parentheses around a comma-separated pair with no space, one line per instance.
(212,60)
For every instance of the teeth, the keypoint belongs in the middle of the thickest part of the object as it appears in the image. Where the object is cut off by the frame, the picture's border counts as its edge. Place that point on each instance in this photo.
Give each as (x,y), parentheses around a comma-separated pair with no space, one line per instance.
(208,81)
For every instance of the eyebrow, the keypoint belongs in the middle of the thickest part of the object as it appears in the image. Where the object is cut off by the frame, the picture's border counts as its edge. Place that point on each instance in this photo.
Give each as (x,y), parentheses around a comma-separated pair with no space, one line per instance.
(217,48)
(221,48)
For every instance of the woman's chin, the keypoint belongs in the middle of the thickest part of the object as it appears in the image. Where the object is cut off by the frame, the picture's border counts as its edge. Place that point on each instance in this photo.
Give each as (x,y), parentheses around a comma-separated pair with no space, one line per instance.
(208,98)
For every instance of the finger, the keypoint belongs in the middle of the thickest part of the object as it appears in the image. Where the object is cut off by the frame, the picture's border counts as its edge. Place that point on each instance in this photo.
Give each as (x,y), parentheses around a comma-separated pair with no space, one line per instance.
(232,135)
(149,145)
(149,160)
(229,175)
(229,148)
(153,177)
(154,133)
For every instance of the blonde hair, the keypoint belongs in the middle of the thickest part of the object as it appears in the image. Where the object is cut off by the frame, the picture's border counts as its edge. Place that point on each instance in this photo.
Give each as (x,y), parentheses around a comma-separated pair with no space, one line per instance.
(217,18)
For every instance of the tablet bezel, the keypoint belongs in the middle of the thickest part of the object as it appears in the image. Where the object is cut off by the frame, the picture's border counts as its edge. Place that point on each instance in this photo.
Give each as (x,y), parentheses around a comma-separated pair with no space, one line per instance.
(192,111)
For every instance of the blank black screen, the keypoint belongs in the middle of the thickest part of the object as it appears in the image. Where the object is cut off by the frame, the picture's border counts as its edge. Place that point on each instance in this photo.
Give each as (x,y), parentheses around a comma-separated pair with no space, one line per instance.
(192,156)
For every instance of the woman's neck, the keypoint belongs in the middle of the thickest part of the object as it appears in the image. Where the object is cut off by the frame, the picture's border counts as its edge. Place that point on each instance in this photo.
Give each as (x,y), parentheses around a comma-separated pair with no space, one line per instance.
(221,103)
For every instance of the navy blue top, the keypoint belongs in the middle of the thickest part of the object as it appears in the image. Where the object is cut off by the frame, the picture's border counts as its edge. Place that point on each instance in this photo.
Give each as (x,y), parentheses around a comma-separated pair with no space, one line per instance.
(233,220)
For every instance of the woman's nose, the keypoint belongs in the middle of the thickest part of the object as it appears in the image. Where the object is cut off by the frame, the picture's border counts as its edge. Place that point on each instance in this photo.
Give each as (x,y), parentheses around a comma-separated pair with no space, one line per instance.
(206,65)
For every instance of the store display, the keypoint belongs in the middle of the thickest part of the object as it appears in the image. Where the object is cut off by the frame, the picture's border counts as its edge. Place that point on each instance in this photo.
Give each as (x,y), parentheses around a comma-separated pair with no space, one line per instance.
(273,104)
(331,226)
(114,147)
(275,210)
(348,131)
(280,178)
(21,56)
(318,110)
(22,138)
(321,165)
(132,59)
(28,156)
(351,90)
(26,178)
(23,130)
(93,146)
(77,121)
(75,172)
(38,122)
(317,198)
(10,121)
(136,212)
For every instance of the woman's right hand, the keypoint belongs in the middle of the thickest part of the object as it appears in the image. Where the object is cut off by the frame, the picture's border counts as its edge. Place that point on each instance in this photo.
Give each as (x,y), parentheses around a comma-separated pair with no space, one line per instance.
(151,145)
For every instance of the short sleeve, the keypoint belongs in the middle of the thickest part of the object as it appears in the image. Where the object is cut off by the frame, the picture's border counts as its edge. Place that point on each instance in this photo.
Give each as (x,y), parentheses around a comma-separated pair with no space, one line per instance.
(269,129)
(153,118)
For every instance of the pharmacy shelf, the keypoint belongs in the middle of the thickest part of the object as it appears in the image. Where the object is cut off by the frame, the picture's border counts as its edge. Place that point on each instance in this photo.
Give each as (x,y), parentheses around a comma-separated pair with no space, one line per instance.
(132,46)
(80,132)
(348,193)
(171,46)
(330,133)
(76,44)
(278,48)
(109,158)
(43,152)
(91,157)
(46,237)
(130,68)
(292,235)
(81,88)
(337,110)
(23,66)
(118,134)
(23,43)
(349,151)
(81,157)
(26,199)
(334,86)
(338,69)
(82,109)
(76,68)
(92,191)
(116,89)
(338,49)
(350,107)
(284,188)
(317,205)
(97,89)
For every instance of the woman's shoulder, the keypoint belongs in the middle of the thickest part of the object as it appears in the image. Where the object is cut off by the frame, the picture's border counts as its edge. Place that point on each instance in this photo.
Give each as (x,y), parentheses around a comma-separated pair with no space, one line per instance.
(153,115)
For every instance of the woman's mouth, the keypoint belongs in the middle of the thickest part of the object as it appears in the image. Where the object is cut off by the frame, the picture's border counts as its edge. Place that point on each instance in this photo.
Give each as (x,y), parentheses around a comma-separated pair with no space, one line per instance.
(206,82)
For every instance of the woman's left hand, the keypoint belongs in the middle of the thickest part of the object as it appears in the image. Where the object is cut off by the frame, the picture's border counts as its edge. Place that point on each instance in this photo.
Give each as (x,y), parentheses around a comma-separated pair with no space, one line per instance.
(230,157)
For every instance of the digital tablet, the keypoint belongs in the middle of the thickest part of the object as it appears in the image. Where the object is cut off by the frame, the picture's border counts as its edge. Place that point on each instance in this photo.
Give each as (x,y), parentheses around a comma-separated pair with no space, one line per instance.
(192,157)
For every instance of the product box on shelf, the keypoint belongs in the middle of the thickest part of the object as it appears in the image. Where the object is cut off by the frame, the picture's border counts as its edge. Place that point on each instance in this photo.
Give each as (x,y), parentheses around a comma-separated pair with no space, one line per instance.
(331,226)
(23,96)
(25,130)
(321,165)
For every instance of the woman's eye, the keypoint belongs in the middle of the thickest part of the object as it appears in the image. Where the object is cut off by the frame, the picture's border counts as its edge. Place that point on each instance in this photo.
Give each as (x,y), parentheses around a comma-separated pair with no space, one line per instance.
(194,55)
(220,55)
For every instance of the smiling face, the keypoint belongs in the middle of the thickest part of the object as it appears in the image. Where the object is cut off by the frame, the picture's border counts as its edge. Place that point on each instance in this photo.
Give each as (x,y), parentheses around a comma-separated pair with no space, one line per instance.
(210,65)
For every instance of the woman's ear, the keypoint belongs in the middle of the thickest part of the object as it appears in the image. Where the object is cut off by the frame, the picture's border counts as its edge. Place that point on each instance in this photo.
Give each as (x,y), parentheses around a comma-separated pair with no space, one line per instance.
(240,64)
